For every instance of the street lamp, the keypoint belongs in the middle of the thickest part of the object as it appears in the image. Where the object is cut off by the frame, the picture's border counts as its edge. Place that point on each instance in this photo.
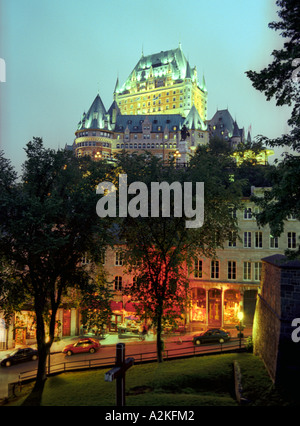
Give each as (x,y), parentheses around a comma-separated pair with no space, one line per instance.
(240,327)
(97,155)
(177,155)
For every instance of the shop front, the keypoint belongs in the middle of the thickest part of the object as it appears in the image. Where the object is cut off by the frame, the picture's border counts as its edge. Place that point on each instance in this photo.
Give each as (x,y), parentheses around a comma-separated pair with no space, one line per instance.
(25,328)
(116,317)
(198,306)
(232,306)
(132,323)
(214,307)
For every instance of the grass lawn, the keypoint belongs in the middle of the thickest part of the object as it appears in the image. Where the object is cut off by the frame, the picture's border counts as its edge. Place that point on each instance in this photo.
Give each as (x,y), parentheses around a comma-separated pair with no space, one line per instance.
(199,381)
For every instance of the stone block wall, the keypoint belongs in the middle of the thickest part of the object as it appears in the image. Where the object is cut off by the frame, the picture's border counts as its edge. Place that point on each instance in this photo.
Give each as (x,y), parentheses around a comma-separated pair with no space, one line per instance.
(278,304)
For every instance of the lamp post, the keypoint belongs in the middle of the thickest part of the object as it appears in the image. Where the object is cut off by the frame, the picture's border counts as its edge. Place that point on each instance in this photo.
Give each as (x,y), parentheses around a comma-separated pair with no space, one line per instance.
(240,327)
(176,156)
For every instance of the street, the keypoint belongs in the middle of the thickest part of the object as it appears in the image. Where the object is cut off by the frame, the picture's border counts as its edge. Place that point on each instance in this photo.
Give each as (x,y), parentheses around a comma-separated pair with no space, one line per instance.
(140,350)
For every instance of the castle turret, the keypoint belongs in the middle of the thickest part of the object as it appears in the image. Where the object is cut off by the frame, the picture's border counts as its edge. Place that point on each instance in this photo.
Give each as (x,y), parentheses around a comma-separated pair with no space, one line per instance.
(94,133)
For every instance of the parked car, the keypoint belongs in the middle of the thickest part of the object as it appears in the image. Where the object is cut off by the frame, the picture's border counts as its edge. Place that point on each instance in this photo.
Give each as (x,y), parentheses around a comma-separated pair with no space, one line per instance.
(83,345)
(19,355)
(212,335)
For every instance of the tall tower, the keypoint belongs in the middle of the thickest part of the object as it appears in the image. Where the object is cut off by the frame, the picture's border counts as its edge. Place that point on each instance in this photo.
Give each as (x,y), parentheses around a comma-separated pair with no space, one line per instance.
(162,83)
(94,134)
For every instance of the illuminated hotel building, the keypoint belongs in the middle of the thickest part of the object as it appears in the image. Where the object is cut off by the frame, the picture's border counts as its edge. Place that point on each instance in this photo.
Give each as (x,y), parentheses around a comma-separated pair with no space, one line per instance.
(160,96)
(162,83)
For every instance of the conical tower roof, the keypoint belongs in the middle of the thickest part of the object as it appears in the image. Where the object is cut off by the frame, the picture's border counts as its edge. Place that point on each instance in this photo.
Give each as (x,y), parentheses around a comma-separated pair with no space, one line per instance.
(194,121)
(236,130)
(95,117)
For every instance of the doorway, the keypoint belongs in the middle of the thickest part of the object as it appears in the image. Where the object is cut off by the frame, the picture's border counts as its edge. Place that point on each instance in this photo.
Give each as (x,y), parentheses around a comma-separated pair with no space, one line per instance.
(214,307)
(66,331)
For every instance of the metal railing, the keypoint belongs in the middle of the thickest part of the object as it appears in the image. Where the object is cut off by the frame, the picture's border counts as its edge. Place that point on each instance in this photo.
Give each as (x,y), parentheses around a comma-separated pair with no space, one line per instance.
(139,358)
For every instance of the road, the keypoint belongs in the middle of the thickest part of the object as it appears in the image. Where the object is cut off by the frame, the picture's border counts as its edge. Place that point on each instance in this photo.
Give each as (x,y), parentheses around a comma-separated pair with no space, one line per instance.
(139,350)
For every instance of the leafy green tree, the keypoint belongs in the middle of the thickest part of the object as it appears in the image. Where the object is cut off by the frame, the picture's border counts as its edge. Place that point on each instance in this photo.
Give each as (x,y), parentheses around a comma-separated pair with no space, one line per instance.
(95,304)
(280,81)
(48,222)
(159,249)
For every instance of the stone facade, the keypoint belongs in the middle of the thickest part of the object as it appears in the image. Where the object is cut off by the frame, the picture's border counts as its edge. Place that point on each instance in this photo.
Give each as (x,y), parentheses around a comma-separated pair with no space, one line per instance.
(278,304)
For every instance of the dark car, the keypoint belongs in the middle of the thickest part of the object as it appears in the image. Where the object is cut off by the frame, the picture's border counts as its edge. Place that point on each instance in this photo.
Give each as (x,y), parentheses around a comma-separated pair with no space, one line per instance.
(83,345)
(212,335)
(19,355)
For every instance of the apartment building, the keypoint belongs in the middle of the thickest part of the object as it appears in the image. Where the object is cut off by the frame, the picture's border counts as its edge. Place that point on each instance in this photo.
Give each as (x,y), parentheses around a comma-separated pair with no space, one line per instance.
(220,287)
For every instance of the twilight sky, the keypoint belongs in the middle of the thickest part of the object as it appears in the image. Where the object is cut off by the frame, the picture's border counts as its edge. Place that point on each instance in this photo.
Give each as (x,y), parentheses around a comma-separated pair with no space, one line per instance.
(60,53)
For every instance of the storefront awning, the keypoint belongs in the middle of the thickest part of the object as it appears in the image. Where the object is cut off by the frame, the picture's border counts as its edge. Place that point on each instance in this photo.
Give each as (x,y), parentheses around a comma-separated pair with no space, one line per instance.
(116,306)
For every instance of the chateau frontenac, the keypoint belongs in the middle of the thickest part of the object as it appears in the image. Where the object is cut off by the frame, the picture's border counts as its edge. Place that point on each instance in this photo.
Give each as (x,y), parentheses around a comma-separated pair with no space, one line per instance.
(162,95)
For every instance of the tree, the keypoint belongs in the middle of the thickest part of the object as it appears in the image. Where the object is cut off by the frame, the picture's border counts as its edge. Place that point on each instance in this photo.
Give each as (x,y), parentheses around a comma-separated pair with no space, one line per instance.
(95,304)
(48,222)
(158,249)
(280,80)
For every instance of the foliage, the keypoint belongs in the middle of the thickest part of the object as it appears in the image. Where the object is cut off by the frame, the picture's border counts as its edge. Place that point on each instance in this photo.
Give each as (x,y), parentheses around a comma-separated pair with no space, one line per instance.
(249,344)
(253,174)
(48,222)
(280,80)
(95,304)
(277,80)
(166,247)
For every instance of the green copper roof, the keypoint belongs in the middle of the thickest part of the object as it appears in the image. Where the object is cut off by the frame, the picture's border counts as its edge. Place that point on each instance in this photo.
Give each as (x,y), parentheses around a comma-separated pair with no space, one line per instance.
(159,65)
(193,120)
(95,118)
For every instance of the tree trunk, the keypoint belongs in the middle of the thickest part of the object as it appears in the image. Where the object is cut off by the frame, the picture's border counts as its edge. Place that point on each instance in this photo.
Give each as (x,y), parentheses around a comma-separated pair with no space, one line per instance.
(159,342)
(43,351)
(42,346)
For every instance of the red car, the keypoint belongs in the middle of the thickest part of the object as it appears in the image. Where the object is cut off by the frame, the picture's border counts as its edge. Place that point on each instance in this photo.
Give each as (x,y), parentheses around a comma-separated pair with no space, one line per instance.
(83,345)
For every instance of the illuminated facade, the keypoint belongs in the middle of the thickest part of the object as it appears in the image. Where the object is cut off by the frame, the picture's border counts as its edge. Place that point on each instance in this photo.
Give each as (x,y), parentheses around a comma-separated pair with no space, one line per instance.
(222,287)
(224,127)
(162,83)
(160,96)
(102,134)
